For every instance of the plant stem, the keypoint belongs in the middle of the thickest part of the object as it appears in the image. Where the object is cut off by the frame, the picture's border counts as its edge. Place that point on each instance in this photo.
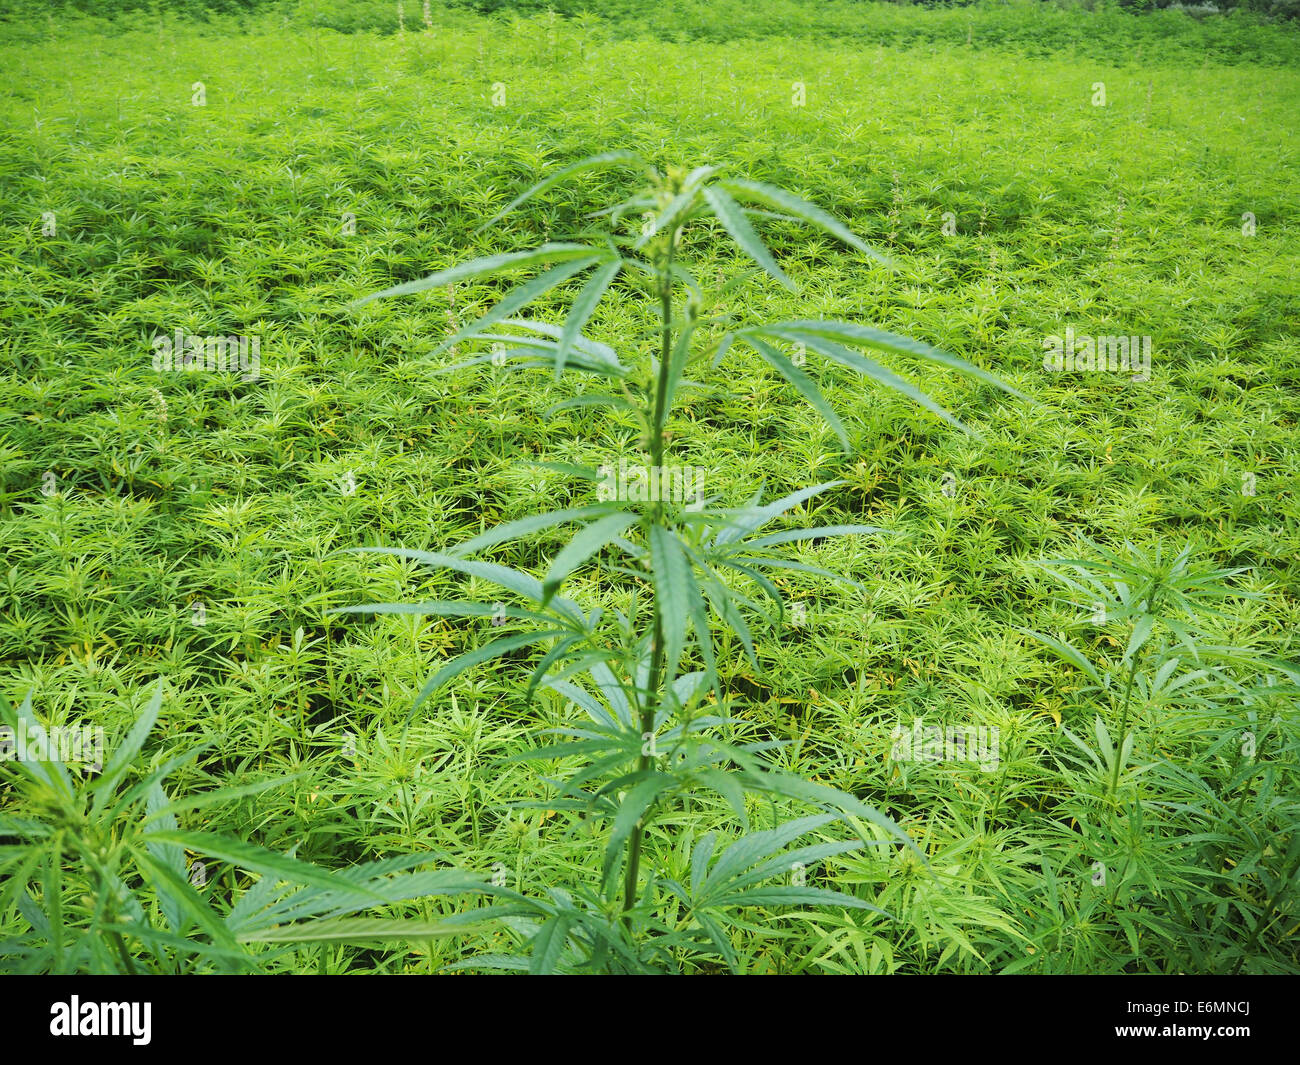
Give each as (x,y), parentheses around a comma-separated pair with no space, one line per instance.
(1255,759)
(123,953)
(1123,728)
(665,357)
(1265,917)
(655,517)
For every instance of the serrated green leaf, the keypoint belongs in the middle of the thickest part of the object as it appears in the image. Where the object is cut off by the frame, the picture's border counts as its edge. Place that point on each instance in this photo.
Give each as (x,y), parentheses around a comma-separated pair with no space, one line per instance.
(881,375)
(804,385)
(354,930)
(526,526)
(799,896)
(584,544)
(518,298)
(48,773)
(582,309)
(479,655)
(548,944)
(488,264)
(729,213)
(258,859)
(672,593)
(591,162)
(133,741)
(1066,653)
(867,336)
(795,207)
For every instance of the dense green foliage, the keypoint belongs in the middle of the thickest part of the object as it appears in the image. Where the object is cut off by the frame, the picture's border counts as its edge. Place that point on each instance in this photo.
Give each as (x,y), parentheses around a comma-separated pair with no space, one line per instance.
(1142,816)
(1031,27)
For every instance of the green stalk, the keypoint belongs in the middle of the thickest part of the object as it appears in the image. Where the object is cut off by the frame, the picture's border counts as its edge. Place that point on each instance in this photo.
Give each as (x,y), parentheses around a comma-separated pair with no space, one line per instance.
(123,953)
(1217,862)
(1265,917)
(654,517)
(1123,728)
(104,884)
(1254,762)
(665,357)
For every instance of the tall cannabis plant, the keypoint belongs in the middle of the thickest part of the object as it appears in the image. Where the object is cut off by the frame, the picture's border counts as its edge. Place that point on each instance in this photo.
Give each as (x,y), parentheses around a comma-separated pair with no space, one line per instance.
(652,740)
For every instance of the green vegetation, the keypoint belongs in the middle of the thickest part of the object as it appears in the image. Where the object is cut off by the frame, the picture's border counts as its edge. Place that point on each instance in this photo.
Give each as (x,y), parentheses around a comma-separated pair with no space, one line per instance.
(181,565)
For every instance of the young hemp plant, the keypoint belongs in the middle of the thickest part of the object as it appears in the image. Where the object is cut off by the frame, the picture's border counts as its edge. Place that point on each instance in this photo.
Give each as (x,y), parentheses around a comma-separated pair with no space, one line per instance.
(650,743)
(1164,605)
(1184,804)
(94,877)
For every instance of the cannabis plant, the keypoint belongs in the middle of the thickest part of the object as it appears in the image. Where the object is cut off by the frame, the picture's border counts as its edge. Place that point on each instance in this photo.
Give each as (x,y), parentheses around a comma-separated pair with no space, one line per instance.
(649,679)
(1182,807)
(95,864)
(1168,660)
